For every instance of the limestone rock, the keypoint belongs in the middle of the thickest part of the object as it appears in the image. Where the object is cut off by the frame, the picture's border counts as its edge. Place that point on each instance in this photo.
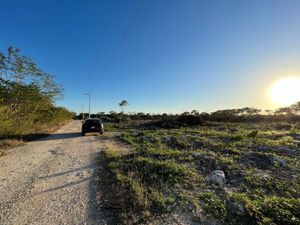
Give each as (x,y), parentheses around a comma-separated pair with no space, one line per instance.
(216,177)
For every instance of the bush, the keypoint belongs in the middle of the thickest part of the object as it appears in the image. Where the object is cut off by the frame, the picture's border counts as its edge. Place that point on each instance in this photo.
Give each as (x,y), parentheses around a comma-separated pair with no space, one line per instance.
(27,96)
(190,120)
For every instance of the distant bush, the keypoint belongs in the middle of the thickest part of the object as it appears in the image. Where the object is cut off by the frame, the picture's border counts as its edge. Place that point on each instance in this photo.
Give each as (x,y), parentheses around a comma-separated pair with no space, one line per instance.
(190,120)
(252,115)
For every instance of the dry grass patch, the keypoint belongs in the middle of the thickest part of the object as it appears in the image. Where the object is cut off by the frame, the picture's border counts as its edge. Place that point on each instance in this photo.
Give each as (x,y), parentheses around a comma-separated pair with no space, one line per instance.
(10,143)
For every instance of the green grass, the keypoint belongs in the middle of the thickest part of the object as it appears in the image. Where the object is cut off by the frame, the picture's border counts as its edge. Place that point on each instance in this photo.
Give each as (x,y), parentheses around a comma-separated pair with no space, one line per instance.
(270,209)
(168,167)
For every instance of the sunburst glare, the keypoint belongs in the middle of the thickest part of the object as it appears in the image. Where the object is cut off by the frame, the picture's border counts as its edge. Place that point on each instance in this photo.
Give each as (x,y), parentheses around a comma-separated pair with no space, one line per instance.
(285,91)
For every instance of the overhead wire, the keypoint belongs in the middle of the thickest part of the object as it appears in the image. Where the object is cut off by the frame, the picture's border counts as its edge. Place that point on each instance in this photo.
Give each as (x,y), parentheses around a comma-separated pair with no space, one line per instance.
(114,52)
(101,43)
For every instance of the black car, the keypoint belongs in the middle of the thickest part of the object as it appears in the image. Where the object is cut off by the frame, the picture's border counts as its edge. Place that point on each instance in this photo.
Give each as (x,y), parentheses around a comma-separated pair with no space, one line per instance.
(92,125)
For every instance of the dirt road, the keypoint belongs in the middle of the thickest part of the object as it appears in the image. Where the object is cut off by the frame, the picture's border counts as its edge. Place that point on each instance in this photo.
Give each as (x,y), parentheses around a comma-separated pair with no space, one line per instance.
(52,180)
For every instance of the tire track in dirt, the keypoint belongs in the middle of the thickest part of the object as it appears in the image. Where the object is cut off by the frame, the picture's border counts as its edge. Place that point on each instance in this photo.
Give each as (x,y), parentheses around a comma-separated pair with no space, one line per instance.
(52,180)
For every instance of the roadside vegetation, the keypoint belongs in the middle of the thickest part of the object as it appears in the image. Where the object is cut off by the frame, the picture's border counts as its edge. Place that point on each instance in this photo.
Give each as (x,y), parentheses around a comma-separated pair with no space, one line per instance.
(219,168)
(27,96)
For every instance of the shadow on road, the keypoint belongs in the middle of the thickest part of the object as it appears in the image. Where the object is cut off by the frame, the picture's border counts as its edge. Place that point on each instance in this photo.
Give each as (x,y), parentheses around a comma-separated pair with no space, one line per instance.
(58,136)
(42,136)
(64,186)
(67,171)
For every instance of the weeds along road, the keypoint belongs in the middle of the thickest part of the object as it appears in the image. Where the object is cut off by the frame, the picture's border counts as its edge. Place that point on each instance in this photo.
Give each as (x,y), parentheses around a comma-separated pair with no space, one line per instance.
(52,180)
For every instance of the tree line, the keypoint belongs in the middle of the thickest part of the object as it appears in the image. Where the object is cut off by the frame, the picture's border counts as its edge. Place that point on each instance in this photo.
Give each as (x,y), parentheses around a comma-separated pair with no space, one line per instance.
(194,117)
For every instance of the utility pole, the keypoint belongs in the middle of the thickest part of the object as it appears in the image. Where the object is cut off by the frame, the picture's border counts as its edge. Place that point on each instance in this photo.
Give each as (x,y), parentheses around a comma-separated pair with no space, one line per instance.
(89,95)
(82,107)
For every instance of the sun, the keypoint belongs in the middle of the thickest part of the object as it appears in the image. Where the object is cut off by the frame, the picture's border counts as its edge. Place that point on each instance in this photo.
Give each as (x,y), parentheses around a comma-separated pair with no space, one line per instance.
(286,91)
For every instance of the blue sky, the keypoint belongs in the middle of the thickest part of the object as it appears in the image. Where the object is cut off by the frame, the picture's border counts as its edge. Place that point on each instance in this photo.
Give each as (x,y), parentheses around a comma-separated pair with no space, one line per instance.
(176,56)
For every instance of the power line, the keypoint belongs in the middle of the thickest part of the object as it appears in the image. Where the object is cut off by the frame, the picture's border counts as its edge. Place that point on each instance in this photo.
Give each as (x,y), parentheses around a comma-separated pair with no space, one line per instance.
(136,13)
(98,53)
(101,43)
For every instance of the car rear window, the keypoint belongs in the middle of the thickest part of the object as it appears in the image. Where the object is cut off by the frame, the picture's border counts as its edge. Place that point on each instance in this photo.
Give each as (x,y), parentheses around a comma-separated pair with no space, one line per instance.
(93,122)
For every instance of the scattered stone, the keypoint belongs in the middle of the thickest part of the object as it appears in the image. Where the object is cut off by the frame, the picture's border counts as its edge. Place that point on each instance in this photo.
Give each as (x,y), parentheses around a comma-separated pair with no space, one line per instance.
(207,157)
(148,139)
(212,222)
(258,160)
(196,155)
(285,149)
(166,139)
(242,166)
(78,174)
(53,151)
(263,148)
(278,149)
(235,176)
(216,177)
(202,156)
(263,174)
(282,162)
(236,207)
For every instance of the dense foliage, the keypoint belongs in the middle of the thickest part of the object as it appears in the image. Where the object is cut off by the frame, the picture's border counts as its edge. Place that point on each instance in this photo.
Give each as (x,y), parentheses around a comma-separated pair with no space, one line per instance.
(27,95)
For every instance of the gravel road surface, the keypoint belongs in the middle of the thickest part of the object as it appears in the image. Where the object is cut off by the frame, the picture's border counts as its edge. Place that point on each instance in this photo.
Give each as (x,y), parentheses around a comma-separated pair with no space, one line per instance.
(52,180)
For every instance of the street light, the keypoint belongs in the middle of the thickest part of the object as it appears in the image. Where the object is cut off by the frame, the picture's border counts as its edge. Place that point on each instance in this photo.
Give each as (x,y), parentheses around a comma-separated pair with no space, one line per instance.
(89,95)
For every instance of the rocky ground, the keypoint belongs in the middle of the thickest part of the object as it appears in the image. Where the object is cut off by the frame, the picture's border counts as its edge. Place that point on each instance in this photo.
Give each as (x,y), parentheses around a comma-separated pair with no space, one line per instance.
(218,173)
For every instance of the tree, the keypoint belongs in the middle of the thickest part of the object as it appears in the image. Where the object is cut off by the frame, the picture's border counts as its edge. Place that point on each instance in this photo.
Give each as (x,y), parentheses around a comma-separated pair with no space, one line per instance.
(195,112)
(205,116)
(27,94)
(25,87)
(20,69)
(296,107)
(284,111)
(185,113)
(269,111)
(253,111)
(123,104)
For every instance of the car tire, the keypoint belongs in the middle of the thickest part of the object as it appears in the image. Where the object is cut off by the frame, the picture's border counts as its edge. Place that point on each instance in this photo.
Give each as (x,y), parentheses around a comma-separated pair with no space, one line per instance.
(101,132)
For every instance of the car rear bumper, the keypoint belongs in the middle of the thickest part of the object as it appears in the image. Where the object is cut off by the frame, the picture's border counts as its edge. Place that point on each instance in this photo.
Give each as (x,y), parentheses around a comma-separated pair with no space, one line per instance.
(93,130)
